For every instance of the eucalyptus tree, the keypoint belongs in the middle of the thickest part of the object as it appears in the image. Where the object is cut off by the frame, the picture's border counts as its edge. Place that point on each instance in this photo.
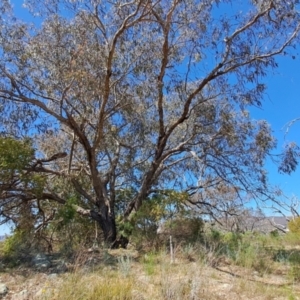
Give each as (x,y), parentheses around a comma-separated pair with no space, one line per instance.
(143,95)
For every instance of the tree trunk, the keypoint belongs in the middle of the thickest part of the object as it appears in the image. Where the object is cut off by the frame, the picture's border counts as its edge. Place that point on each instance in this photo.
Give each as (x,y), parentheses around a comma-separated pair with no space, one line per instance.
(107,224)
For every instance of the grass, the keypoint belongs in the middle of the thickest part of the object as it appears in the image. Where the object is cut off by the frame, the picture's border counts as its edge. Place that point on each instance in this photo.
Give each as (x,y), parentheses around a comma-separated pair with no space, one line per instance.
(92,287)
(125,263)
(220,266)
(181,280)
(150,262)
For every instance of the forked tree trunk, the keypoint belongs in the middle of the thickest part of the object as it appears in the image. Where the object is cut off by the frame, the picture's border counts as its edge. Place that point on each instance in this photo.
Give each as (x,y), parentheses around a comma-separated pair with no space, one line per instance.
(107,224)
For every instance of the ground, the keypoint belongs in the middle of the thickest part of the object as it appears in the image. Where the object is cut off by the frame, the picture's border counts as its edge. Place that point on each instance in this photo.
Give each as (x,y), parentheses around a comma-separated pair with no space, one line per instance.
(126,274)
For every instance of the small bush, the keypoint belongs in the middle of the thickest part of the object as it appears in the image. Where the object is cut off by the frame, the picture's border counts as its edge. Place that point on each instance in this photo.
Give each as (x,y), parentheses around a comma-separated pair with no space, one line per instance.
(274,234)
(150,260)
(231,244)
(294,225)
(17,248)
(124,263)
(292,239)
(184,229)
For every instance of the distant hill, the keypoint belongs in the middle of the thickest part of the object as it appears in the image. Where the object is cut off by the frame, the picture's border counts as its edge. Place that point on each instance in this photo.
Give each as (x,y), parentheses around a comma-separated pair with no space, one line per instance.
(256,223)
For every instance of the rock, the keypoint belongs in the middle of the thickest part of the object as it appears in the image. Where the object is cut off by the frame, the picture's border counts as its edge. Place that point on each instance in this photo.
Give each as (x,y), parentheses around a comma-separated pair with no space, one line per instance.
(3,290)
(41,262)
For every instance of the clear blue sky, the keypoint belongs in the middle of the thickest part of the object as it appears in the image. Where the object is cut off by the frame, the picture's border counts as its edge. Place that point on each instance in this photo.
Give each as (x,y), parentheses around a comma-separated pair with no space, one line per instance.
(281,105)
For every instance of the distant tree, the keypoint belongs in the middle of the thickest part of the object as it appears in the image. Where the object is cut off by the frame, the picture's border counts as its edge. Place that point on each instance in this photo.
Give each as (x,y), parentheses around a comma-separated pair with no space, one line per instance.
(143,95)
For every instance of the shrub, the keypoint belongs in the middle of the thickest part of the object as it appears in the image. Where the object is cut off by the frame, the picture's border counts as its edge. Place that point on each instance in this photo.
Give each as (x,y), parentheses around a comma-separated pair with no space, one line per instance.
(274,233)
(184,229)
(17,247)
(294,225)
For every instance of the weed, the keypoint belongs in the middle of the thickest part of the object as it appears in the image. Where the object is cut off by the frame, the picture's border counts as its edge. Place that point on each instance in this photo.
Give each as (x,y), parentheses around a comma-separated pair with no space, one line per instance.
(294,273)
(125,263)
(189,252)
(172,288)
(150,261)
(292,297)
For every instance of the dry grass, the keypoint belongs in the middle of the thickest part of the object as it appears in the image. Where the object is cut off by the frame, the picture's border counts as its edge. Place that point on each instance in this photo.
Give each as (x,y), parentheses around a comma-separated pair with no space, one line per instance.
(178,281)
(91,287)
(198,272)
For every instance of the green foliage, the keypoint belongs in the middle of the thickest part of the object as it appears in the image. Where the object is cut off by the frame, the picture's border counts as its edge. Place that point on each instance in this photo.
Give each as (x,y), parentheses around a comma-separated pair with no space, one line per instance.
(215,235)
(185,228)
(249,253)
(15,155)
(66,213)
(274,234)
(251,256)
(125,228)
(161,206)
(246,250)
(72,230)
(123,197)
(150,261)
(294,225)
(231,241)
(292,238)
(20,184)
(294,257)
(17,248)
(142,226)
(37,184)
(15,158)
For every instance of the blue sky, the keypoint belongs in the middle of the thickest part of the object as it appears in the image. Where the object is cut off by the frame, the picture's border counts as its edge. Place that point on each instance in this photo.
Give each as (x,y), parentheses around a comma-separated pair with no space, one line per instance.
(281,105)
